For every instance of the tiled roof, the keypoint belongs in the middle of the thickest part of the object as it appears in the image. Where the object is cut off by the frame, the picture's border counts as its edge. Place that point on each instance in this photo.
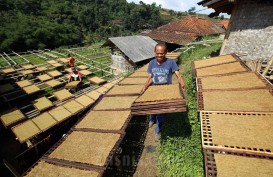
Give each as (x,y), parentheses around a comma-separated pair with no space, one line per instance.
(185,30)
(175,37)
(224,23)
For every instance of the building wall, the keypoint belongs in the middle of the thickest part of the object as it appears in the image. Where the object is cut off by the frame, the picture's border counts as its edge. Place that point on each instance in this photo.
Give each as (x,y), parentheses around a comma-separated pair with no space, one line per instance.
(250,33)
(120,62)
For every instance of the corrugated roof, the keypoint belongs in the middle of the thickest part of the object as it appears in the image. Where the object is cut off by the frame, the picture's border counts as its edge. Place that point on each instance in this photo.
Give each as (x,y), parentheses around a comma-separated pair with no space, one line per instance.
(137,48)
(185,30)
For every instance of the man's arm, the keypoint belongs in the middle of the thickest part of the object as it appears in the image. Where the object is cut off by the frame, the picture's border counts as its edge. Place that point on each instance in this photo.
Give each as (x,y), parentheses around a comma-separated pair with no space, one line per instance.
(148,83)
(180,80)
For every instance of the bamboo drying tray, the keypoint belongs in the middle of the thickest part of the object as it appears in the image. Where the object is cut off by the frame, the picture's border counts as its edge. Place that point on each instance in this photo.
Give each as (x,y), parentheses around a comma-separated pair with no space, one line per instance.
(8,70)
(45,169)
(115,103)
(51,61)
(73,106)
(53,83)
(63,95)
(69,70)
(44,77)
(64,60)
(6,88)
(102,90)
(238,132)
(11,116)
(143,68)
(56,64)
(238,81)
(23,83)
(25,130)
(26,72)
(222,69)
(125,90)
(42,103)
(222,164)
(82,67)
(93,148)
(258,100)
(28,66)
(72,84)
(31,89)
(108,85)
(44,121)
(85,72)
(133,81)
(85,100)
(54,73)
(60,113)
(41,68)
(93,94)
(140,74)
(96,80)
(105,120)
(152,101)
(215,61)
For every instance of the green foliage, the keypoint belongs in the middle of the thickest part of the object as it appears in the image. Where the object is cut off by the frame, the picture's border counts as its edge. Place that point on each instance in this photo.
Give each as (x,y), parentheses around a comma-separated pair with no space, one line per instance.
(180,150)
(33,24)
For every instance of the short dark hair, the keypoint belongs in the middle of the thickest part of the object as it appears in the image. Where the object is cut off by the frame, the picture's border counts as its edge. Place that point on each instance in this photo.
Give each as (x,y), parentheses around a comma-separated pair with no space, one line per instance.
(161,44)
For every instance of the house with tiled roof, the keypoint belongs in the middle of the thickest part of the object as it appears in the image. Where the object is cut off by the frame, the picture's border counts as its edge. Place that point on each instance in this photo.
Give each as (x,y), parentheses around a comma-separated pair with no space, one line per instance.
(185,30)
(250,30)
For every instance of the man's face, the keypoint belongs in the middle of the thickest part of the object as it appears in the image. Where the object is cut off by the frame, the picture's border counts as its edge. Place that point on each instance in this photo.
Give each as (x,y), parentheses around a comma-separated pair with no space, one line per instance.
(160,53)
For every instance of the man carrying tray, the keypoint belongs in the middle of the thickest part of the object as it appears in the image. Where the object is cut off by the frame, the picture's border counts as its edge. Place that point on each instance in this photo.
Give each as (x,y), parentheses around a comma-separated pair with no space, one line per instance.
(160,71)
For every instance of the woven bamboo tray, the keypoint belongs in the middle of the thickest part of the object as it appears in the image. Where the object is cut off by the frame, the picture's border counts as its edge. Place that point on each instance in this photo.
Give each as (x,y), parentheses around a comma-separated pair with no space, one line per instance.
(42,103)
(73,106)
(41,68)
(47,167)
(223,69)
(85,100)
(143,68)
(8,70)
(82,67)
(125,90)
(235,132)
(29,66)
(44,121)
(60,113)
(31,89)
(258,100)
(23,83)
(64,60)
(53,83)
(25,130)
(133,81)
(63,95)
(219,163)
(111,121)
(96,80)
(72,84)
(54,73)
(115,103)
(215,61)
(139,74)
(11,116)
(85,72)
(86,148)
(44,77)
(238,81)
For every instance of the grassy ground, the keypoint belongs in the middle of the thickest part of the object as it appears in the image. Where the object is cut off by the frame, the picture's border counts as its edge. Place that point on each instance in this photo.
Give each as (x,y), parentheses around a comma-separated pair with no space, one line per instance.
(180,150)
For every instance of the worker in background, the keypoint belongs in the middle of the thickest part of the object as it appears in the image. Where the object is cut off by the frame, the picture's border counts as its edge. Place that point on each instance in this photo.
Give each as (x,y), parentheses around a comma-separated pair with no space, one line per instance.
(160,71)
(75,75)
(71,60)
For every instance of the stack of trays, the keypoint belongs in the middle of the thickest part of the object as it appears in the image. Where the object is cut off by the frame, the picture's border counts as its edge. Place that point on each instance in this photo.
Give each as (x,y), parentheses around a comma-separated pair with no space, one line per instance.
(160,99)
(237,143)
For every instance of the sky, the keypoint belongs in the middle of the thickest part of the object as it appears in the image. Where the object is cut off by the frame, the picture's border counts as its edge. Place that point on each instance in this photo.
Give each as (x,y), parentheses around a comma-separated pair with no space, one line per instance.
(178,5)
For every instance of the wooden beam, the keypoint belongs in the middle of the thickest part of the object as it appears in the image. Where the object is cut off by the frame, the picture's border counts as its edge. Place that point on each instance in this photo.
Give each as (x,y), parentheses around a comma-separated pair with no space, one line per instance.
(268,66)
